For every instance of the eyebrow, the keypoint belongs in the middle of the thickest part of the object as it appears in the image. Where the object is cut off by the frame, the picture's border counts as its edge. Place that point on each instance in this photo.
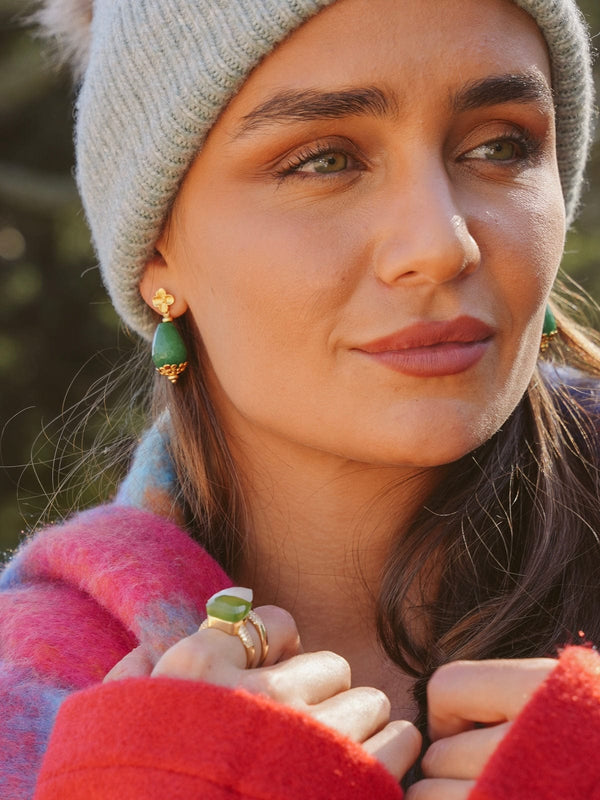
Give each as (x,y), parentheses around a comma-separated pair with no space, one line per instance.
(498,89)
(310,104)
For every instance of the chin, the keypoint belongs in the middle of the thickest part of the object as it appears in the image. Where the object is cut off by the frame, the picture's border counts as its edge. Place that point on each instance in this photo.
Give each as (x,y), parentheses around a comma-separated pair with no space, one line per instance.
(463,428)
(437,445)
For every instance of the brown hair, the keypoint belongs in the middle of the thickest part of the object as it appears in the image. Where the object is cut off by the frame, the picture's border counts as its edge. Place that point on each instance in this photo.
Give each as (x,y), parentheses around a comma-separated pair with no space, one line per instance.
(511,535)
(209,487)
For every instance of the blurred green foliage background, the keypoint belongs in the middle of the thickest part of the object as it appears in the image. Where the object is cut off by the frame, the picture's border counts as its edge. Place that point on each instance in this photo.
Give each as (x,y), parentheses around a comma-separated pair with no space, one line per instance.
(59,335)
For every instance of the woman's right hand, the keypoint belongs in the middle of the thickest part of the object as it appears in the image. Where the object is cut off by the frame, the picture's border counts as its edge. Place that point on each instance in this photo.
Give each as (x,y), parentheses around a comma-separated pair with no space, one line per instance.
(318,684)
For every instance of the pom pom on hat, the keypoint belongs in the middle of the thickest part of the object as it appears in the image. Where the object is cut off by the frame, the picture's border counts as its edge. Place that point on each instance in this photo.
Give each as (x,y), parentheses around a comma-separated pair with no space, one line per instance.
(67,23)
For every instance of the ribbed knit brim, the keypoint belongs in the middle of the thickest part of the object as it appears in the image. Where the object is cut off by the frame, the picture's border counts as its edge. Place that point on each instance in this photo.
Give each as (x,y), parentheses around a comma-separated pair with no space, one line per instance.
(566,34)
(160,72)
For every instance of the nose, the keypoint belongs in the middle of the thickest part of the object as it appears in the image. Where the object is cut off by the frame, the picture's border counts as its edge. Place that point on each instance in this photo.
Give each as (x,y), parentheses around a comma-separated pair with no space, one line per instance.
(422,234)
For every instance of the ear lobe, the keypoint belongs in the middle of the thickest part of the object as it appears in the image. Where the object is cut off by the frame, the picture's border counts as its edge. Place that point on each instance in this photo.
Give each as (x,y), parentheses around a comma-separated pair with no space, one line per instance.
(157,275)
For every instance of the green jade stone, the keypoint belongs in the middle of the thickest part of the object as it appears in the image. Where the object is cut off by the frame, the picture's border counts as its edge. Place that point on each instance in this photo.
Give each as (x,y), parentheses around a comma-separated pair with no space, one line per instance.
(549,328)
(228,608)
(167,346)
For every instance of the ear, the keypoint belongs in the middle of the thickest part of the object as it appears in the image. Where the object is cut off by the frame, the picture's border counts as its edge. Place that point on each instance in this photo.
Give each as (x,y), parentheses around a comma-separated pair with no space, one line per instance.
(159,274)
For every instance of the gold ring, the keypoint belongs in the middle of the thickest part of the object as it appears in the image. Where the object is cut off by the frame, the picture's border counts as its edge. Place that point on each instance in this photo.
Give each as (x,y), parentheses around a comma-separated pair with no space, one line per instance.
(241,631)
(260,628)
(228,611)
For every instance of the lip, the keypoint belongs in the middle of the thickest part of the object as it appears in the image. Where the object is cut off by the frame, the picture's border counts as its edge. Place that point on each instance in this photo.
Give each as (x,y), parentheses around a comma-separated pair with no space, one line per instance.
(433,349)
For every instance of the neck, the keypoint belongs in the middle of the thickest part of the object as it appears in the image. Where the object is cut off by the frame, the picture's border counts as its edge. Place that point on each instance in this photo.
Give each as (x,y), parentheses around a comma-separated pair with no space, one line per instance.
(319,534)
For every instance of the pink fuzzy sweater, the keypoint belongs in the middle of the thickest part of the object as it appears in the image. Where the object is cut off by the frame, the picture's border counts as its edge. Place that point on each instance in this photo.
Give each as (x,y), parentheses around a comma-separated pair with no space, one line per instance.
(78,597)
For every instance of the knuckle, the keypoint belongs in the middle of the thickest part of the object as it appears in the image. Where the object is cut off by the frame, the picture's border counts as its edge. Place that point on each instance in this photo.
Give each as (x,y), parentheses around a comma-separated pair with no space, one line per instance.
(269,683)
(406,737)
(443,677)
(337,664)
(283,615)
(279,616)
(379,700)
(405,729)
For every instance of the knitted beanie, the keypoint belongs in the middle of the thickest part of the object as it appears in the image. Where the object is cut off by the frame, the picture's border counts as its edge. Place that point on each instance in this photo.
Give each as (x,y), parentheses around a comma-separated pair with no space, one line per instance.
(159,73)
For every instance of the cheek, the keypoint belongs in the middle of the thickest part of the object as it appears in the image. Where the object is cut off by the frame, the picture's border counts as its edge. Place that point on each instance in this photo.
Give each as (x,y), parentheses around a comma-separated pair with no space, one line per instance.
(257,247)
(544,228)
(521,248)
(265,291)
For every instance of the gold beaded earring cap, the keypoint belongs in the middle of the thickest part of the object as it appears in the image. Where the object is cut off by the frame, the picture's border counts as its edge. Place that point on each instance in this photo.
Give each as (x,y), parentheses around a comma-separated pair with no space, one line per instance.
(168,349)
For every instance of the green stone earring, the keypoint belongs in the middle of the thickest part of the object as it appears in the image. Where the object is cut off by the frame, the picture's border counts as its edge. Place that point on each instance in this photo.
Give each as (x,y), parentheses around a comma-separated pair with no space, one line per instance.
(549,330)
(168,349)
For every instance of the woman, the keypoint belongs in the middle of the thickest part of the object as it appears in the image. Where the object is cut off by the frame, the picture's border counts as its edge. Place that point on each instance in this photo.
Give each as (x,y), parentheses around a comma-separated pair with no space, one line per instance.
(356,212)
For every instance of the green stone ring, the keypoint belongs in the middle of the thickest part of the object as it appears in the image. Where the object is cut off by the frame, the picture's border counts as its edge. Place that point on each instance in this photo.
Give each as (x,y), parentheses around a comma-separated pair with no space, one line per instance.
(228,611)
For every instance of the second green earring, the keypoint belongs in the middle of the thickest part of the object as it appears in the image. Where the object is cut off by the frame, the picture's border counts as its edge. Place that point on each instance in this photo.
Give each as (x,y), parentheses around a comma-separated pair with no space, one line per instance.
(549,330)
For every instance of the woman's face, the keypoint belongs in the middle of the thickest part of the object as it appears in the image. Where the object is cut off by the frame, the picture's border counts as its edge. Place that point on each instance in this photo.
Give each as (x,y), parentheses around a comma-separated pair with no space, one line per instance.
(368,239)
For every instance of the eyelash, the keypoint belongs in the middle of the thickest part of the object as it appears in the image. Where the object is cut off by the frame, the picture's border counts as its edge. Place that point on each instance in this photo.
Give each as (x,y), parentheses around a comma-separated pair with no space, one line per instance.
(312,153)
(529,145)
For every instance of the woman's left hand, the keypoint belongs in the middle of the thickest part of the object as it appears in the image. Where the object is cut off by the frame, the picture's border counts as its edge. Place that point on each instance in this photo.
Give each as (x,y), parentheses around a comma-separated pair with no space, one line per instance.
(462,696)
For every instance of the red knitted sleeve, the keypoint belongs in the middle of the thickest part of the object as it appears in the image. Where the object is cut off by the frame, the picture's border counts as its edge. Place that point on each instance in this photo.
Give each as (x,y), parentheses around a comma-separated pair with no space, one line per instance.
(552,751)
(151,739)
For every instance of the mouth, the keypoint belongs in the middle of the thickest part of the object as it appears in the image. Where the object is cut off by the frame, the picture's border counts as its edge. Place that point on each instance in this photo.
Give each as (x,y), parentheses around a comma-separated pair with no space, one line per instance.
(432,349)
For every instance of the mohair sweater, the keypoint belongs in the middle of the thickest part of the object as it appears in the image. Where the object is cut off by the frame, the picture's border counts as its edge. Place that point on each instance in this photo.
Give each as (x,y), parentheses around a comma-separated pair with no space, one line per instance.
(78,597)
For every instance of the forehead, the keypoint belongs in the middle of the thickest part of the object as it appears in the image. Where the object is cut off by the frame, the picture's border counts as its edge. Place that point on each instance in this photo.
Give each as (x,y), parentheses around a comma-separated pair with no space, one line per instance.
(423,48)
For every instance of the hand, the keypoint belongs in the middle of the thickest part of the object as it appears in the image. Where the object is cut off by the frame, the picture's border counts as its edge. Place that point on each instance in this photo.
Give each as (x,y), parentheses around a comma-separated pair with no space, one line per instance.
(461,695)
(318,684)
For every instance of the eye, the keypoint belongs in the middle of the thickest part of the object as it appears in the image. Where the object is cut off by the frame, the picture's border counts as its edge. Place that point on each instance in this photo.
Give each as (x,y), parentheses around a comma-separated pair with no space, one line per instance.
(328,158)
(502,150)
(325,163)
(508,149)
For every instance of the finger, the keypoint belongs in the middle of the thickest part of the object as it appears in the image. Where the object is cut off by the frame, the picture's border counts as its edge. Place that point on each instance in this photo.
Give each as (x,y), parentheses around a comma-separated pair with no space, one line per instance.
(302,681)
(283,639)
(218,657)
(136,664)
(282,633)
(397,747)
(211,656)
(464,692)
(357,713)
(440,790)
(464,755)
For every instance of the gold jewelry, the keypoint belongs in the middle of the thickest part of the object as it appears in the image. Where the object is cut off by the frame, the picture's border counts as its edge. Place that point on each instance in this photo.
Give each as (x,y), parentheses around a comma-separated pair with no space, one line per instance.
(168,349)
(261,629)
(228,611)
(240,630)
